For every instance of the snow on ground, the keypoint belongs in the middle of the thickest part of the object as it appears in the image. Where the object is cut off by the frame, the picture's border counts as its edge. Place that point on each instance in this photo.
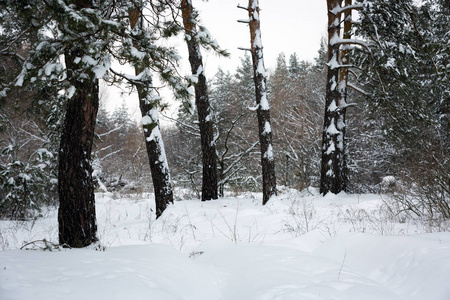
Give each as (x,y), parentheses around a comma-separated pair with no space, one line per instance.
(298,246)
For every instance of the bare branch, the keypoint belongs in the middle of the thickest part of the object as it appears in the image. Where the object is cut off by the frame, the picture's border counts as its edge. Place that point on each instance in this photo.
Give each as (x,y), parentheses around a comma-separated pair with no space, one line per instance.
(195,130)
(112,153)
(237,161)
(111,131)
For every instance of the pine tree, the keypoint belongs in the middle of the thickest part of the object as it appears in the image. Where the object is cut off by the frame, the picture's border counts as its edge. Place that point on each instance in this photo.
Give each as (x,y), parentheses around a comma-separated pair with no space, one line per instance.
(63,25)
(280,83)
(245,84)
(149,105)
(321,60)
(28,151)
(205,119)
(406,80)
(122,119)
(89,35)
(294,65)
(262,110)
(76,214)
(334,173)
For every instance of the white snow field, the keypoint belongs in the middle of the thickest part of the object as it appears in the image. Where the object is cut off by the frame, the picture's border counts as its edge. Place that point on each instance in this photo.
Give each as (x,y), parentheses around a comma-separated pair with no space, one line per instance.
(299,246)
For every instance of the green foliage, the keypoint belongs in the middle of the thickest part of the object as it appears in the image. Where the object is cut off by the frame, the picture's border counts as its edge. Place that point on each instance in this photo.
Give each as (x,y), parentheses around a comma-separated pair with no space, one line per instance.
(29,116)
(26,186)
(34,35)
(405,86)
(294,65)
(244,81)
(405,75)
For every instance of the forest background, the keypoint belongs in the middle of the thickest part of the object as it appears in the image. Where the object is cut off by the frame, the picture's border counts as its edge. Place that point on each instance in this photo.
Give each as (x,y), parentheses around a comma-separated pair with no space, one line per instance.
(396,133)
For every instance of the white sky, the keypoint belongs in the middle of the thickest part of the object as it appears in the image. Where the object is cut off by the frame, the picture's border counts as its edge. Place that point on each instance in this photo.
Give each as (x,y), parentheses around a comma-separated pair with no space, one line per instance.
(286,26)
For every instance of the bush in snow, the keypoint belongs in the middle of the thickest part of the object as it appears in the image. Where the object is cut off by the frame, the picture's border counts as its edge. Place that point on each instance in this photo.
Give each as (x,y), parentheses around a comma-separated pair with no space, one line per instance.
(25,185)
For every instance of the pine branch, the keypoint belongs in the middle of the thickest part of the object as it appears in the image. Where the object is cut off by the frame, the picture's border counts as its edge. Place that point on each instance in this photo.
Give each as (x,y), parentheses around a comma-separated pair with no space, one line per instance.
(357,89)
(339,10)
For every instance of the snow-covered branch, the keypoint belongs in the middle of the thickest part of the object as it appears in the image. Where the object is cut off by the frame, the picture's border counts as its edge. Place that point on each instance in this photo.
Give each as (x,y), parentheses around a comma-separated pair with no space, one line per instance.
(236,161)
(336,40)
(339,10)
(112,153)
(357,89)
(111,131)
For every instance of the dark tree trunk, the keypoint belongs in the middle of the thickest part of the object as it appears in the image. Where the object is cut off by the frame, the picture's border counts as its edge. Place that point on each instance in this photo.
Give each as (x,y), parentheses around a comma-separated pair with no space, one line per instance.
(162,184)
(209,185)
(221,177)
(148,104)
(333,171)
(76,215)
(263,112)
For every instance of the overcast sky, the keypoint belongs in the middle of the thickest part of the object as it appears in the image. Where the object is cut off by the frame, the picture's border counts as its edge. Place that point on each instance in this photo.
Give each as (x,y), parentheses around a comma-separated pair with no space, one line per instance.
(286,26)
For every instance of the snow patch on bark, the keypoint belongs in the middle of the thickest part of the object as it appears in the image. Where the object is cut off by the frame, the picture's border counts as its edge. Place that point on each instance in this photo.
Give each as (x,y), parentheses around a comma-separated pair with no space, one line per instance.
(70,92)
(333,63)
(332,107)
(267,128)
(269,153)
(332,130)
(331,148)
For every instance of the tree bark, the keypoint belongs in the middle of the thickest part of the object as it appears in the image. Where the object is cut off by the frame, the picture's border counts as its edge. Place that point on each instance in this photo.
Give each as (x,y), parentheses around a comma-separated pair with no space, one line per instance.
(209,184)
(263,112)
(162,184)
(76,214)
(334,170)
(148,104)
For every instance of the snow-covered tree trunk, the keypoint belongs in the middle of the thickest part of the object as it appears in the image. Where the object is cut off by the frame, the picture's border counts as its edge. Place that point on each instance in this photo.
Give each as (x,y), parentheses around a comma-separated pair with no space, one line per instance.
(148,104)
(209,185)
(345,50)
(76,214)
(162,185)
(263,112)
(333,171)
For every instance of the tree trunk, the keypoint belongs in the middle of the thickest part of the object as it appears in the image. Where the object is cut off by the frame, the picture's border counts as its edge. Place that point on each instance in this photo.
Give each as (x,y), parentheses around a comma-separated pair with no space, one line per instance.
(148,104)
(209,185)
(76,214)
(162,185)
(263,112)
(333,171)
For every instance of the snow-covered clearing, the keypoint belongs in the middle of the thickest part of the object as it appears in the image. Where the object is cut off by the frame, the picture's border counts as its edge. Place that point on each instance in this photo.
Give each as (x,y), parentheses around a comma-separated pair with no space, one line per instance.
(298,246)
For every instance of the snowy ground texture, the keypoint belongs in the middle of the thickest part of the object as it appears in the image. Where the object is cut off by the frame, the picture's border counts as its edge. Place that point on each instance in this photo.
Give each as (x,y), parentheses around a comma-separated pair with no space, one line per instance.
(298,246)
